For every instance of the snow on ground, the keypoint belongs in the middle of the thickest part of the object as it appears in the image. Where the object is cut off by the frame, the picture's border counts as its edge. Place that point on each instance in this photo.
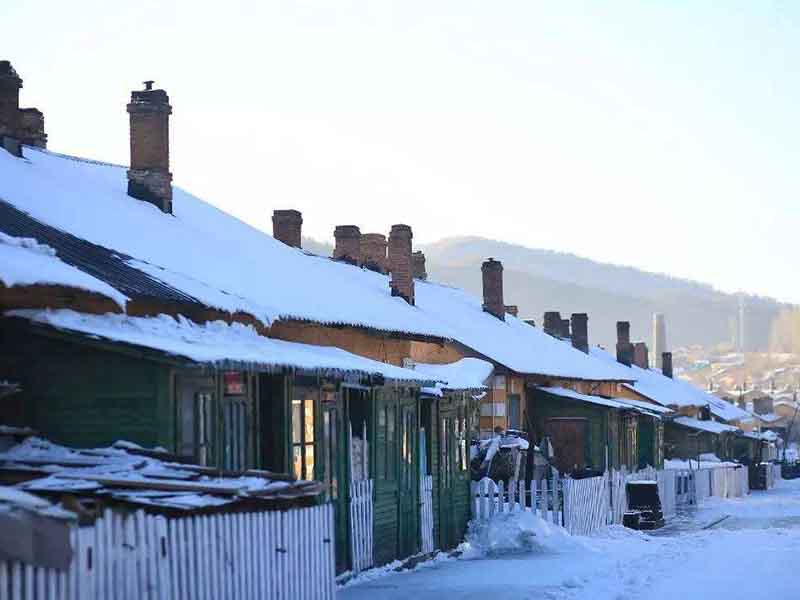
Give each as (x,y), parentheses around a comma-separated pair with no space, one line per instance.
(750,554)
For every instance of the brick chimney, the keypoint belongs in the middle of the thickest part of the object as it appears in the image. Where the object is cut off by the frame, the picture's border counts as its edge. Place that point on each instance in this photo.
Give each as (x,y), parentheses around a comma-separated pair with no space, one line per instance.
(641,355)
(666,364)
(564,332)
(624,346)
(512,309)
(373,252)
(418,265)
(287,226)
(492,271)
(10,84)
(402,283)
(348,244)
(552,323)
(31,128)
(580,331)
(149,178)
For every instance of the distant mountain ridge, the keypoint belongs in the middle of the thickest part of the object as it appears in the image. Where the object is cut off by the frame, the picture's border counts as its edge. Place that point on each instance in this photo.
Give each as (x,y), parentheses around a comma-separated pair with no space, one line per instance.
(539,280)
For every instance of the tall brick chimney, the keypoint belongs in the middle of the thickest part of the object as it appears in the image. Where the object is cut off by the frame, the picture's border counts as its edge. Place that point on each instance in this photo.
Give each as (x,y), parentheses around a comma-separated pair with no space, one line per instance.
(373,252)
(641,355)
(402,283)
(624,346)
(564,334)
(10,84)
(418,265)
(348,244)
(552,323)
(149,178)
(492,271)
(31,128)
(666,364)
(580,331)
(287,226)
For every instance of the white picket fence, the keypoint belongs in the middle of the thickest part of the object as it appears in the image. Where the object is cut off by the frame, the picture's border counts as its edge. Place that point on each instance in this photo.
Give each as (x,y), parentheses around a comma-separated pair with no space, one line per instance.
(773,474)
(490,498)
(361,523)
(426,514)
(586,504)
(136,556)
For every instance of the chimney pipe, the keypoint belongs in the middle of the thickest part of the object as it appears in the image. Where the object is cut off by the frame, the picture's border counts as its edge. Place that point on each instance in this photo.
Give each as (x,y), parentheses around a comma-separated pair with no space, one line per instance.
(552,323)
(348,244)
(641,355)
(666,364)
(149,178)
(373,252)
(418,265)
(492,271)
(287,227)
(624,346)
(565,335)
(512,309)
(580,331)
(402,283)
(10,84)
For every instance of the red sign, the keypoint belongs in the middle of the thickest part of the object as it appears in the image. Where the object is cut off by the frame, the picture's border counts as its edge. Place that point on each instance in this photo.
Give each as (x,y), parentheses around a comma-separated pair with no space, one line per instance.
(234,383)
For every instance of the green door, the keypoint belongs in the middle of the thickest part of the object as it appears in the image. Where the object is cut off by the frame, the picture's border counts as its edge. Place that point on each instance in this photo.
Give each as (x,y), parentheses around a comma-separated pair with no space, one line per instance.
(385,457)
(646,443)
(333,466)
(408,492)
(453,472)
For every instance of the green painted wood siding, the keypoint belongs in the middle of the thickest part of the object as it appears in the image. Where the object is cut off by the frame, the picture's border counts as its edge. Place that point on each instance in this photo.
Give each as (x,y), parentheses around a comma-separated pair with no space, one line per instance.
(83,396)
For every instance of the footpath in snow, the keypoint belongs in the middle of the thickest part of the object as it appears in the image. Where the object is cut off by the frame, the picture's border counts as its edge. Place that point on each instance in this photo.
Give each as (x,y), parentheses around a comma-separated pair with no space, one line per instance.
(752,553)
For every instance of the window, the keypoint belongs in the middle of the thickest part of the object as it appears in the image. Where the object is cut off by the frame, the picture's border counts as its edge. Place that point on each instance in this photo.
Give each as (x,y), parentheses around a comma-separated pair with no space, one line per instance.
(303,425)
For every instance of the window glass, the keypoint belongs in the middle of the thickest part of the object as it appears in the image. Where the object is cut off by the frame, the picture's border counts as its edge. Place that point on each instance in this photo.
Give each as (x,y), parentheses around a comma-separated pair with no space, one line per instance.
(303,428)
(297,422)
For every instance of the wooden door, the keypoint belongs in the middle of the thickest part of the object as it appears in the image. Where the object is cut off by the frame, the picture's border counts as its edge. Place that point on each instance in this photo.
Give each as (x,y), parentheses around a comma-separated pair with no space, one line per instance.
(195,415)
(408,480)
(646,443)
(385,453)
(568,436)
(333,464)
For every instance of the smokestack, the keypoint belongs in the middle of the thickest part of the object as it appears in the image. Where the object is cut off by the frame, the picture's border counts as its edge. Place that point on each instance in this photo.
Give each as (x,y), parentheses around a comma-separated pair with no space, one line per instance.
(640,355)
(287,227)
(659,338)
(580,331)
(348,244)
(402,283)
(552,323)
(512,309)
(492,271)
(666,364)
(149,178)
(373,252)
(10,84)
(624,346)
(418,265)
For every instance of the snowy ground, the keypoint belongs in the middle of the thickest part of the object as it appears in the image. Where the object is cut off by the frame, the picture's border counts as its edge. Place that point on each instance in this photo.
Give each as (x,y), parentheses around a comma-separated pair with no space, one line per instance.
(753,553)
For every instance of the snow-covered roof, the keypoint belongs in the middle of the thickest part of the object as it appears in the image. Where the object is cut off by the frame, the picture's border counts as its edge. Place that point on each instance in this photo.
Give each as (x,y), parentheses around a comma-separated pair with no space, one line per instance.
(128,473)
(218,343)
(617,403)
(768,417)
(723,409)
(464,374)
(24,262)
(710,426)
(656,386)
(229,265)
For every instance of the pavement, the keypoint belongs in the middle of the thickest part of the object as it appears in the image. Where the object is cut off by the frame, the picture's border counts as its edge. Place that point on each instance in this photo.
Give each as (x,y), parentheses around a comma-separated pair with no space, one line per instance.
(750,551)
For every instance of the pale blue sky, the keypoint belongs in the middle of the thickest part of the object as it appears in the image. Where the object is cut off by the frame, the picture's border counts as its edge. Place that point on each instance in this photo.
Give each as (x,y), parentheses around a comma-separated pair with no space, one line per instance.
(662,135)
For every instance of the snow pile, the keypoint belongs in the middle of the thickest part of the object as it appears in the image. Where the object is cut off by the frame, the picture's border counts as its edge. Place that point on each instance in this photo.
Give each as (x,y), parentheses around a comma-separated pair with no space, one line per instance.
(24,261)
(216,343)
(518,532)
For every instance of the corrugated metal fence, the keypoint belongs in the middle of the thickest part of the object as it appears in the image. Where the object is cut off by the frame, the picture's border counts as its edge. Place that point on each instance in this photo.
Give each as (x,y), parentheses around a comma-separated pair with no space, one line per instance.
(361,509)
(135,556)
(426,515)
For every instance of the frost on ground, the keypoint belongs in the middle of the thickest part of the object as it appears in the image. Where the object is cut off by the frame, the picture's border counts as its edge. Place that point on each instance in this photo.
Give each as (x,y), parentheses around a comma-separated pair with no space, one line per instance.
(752,553)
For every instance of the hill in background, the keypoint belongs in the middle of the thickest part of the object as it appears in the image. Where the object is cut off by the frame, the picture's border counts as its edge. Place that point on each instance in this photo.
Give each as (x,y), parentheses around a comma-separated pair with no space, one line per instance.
(540,280)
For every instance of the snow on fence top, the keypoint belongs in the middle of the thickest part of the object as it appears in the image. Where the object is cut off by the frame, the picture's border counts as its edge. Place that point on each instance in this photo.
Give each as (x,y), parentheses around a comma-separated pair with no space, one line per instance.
(219,344)
(23,262)
(229,265)
(129,474)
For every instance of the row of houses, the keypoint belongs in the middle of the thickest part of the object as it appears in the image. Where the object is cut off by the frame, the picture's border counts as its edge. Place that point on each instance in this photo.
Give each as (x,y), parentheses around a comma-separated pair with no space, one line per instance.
(132,310)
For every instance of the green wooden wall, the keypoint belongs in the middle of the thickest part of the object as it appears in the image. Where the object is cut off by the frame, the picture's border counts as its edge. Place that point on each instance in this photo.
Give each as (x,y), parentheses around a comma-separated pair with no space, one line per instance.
(82,394)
